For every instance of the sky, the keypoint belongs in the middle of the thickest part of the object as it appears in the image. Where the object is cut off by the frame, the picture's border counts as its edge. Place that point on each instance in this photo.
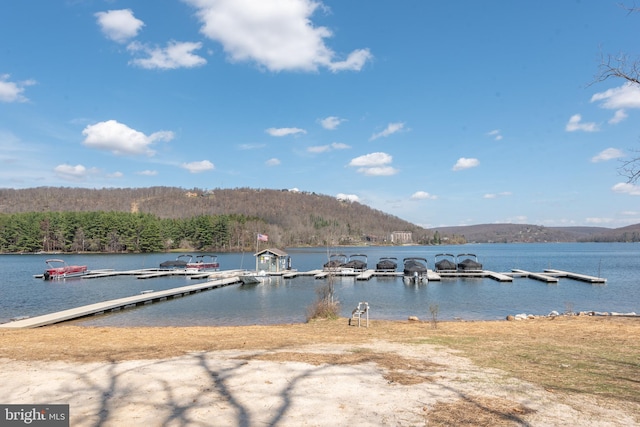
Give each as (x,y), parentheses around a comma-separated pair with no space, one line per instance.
(441,113)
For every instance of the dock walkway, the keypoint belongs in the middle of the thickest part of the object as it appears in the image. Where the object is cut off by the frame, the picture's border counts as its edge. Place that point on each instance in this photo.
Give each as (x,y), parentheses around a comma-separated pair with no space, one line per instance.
(117,304)
(536,276)
(576,276)
(500,277)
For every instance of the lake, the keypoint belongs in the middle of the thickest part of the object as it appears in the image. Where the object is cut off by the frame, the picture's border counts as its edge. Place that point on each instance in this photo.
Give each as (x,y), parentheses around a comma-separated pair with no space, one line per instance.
(287,301)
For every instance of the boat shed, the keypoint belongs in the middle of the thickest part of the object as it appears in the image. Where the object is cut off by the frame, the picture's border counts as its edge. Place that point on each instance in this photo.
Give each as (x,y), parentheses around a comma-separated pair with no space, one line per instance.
(272,261)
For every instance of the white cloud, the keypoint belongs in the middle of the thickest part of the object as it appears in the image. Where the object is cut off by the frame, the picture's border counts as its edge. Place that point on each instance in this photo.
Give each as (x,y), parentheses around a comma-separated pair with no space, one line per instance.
(12,91)
(518,219)
(608,154)
(71,173)
(495,134)
(389,130)
(598,220)
(373,159)
(319,149)
(423,195)
(119,25)
(464,163)
(347,197)
(331,122)
(626,188)
(276,34)
(121,139)
(575,123)
(284,131)
(197,167)
(378,171)
(251,146)
(619,116)
(273,162)
(339,146)
(625,96)
(147,173)
(325,148)
(496,195)
(354,62)
(174,55)
(374,164)
(115,175)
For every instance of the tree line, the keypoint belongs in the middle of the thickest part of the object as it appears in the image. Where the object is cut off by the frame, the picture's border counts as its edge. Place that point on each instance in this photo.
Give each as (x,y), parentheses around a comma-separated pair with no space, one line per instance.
(118,232)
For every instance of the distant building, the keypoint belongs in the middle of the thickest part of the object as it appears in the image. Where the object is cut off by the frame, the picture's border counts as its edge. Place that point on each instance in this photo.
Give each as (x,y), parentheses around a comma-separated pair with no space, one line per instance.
(191,194)
(401,237)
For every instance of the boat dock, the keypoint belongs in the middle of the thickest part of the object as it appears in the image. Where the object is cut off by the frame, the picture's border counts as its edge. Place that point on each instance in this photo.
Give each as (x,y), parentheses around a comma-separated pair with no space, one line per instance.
(217,279)
(151,273)
(576,276)
(536,276)
(548,276)
(500,277)
(145,297)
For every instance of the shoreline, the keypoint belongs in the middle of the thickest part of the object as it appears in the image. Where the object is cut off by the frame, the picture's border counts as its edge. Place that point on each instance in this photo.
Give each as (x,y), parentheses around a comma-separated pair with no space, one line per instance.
(411,318)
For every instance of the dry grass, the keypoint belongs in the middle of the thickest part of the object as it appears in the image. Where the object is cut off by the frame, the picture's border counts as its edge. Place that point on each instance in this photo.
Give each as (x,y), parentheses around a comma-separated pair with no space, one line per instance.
(477,411)
(597,356)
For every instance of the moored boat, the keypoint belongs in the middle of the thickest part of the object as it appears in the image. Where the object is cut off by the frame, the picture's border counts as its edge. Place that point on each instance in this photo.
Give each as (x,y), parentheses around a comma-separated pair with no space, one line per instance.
(415,269)
(469,262)
(204,262)
(387,264)
(58,269)
(357,262)
(336,261)
(253,278)
(180,262)
(445,262)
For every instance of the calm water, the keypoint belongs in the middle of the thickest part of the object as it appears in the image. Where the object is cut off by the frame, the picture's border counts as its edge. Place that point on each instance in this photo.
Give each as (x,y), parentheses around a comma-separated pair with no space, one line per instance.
(286,301)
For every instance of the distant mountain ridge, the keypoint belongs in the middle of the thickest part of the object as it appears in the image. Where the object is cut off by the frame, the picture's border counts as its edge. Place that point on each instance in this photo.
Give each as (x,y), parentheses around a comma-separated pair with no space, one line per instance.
(527,233)
(291,218)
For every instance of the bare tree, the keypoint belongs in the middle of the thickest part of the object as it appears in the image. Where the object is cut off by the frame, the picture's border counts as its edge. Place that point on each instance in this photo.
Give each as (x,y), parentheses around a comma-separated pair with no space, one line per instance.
(625,67)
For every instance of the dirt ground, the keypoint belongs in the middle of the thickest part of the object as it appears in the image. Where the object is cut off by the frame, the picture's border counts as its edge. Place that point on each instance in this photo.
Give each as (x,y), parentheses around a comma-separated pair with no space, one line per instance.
(324,373)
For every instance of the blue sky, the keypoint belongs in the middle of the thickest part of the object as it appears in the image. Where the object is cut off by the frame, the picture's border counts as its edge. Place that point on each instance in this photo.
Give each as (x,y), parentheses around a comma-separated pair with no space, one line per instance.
(439,112)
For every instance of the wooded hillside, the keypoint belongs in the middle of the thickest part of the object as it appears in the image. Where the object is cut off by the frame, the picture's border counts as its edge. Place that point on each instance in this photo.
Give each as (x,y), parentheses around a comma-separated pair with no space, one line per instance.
(288,218)
(164,218)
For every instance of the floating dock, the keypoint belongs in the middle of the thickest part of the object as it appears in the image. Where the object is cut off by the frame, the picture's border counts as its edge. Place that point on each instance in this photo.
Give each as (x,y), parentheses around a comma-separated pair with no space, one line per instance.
(576,276)
(145,297)
(548,276)
(536,276)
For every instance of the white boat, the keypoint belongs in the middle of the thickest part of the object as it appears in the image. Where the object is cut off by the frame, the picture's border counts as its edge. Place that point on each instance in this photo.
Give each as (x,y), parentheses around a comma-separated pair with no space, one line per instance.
(253,278)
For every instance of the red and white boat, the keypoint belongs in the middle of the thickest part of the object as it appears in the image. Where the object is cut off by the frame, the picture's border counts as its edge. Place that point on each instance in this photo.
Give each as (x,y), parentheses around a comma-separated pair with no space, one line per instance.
(58,269)
(204,262)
